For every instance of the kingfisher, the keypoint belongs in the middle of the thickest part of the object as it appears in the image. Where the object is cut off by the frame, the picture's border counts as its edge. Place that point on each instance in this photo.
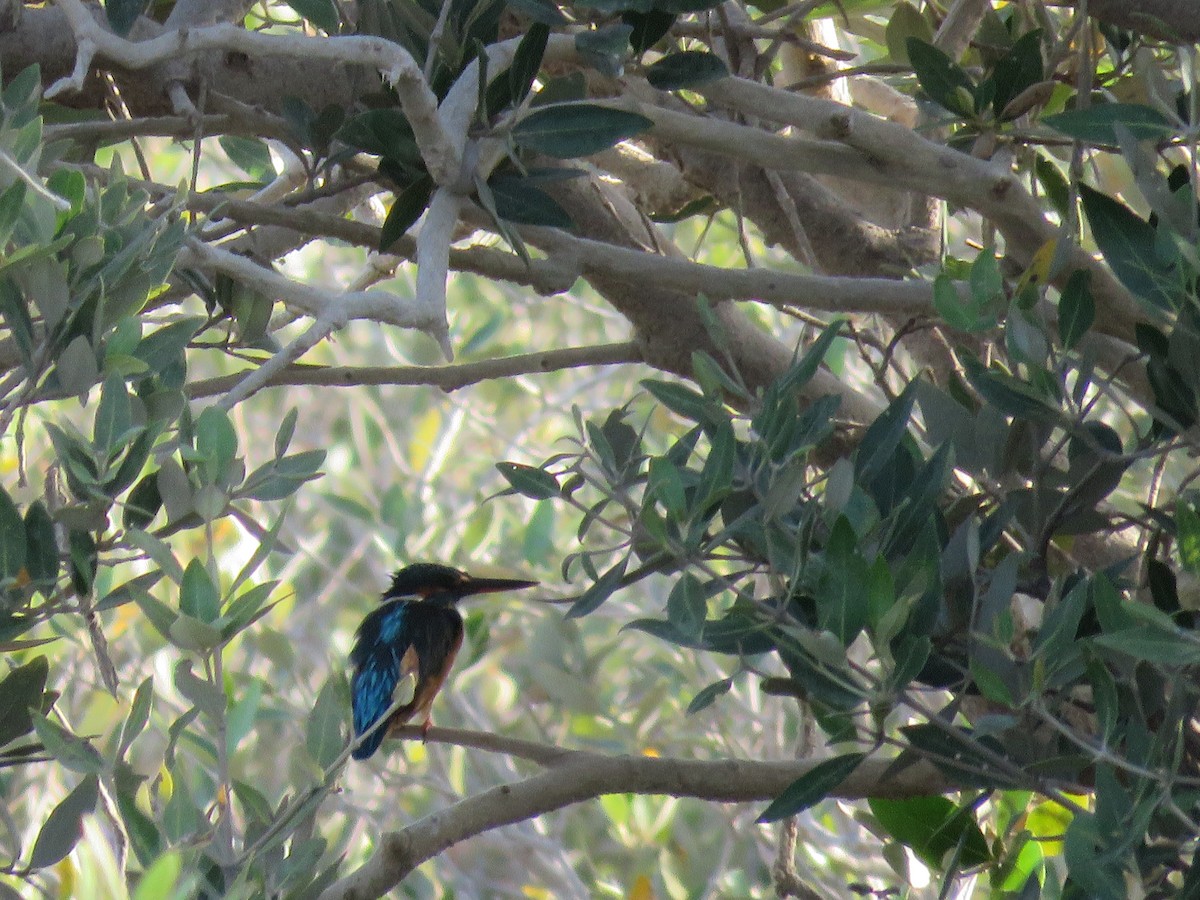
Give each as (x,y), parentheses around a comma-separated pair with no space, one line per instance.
(415,631)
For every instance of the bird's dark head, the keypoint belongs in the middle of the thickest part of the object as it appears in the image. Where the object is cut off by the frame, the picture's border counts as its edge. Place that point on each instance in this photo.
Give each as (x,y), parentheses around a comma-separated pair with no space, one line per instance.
(444,584)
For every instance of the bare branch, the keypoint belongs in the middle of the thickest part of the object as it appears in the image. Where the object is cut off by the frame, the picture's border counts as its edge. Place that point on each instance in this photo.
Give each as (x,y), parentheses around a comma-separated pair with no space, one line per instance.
(448,378)
(582,775)
(399,69)
(783,289)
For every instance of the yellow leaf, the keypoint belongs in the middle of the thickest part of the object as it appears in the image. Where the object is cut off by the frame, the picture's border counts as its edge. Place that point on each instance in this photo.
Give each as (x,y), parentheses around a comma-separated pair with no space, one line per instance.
(642,889)
(1048,822)
(1039,267)
(423,437)
(536,893)
(165,784)
(651,751)
(65,869)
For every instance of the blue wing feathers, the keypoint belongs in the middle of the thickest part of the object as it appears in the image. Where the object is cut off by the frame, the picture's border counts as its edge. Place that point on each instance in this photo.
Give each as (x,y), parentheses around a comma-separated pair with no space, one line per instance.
(371,691)
(431,633)
(376,657)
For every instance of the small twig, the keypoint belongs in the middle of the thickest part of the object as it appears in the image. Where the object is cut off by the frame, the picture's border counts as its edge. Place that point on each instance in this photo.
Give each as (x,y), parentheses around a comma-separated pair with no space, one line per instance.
(447,378)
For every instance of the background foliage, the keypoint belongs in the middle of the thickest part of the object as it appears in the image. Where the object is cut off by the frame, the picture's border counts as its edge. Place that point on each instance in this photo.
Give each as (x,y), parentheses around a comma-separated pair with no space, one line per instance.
(933,511)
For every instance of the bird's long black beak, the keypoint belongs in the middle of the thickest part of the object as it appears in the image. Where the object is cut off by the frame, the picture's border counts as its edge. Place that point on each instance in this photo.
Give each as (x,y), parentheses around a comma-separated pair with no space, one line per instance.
(491,585)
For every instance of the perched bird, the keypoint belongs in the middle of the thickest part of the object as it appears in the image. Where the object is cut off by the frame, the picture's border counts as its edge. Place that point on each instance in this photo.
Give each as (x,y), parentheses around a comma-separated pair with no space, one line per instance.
(415,631)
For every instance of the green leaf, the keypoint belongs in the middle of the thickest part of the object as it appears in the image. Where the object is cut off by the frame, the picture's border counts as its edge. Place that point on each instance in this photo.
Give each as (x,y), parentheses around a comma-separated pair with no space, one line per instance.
(123,13)
(12,199)
(577,129)
(707,696)
(941,78)
(990,683)
(13,543)
(21,691)
(605,48)
(1007,394)
(803,371)
(1092,860)
(1095,123)
(83,559)
(189,633)
(164,348)
(666,486)
(1021,68)
(158,551)
(604,587)
(811,787)
(1056,636)
(139,715)
(648,28)
(323,731)
(932,827)
(1187,535)
(956,310)
(385,133)
(884,435)
(1076,309)
(64,826)
(517,200)
(543,12)
(198,596)
(160,879)
(530,481)
(685,69)
(206,696)
(180,819)
(216,441)
(510,88)
(321,13)
(247,608)
(686,402)
(841,594)
(1152,644)
(143,832)
(906,22)
(405,210)
(15,310)
(716,477)
(287,428)
(987,285)
(1058,191)
(687,606)
(73,752)
(251,155)
(113,416)
(1131,249)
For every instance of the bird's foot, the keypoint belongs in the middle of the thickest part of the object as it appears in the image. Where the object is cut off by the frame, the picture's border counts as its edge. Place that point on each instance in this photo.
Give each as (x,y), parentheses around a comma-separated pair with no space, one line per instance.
(425,726)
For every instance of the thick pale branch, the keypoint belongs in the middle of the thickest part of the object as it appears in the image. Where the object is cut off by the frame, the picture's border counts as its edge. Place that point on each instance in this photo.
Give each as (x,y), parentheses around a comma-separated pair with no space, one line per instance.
(784,289)
(395,64)
(580,776)
(874,149)
(337,308)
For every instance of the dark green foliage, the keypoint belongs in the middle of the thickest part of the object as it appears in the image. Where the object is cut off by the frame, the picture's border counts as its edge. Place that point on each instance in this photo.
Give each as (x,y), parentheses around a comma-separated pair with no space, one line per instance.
(685,69)
(578,129)
(123,13)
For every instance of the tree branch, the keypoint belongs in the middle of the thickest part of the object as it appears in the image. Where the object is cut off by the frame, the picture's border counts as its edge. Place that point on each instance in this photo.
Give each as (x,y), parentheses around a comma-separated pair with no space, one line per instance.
(1177,21)
(448,378)
(582,775)
(401,71)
